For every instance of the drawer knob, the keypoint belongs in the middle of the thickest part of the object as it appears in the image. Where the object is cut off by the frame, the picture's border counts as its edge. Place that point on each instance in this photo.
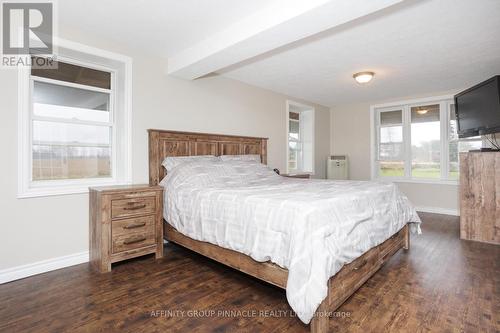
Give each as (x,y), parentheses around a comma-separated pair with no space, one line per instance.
(135,207)
(133,226)
(363,263)
(135,240)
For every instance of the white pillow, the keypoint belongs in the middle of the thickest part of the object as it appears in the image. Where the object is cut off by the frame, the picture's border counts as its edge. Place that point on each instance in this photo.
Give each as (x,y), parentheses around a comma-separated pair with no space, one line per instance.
(171,162)
(249,158)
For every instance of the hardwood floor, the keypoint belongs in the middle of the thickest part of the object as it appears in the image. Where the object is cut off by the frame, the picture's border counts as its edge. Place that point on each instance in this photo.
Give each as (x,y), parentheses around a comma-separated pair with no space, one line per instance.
(442,284)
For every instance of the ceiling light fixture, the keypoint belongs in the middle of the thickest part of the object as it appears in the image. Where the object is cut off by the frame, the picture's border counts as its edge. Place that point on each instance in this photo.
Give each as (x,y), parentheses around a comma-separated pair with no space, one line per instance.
(363,77)
(422,111)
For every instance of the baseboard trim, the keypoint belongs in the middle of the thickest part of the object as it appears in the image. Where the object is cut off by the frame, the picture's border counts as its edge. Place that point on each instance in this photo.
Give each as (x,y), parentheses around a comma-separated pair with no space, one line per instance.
(20,272)
(438,210)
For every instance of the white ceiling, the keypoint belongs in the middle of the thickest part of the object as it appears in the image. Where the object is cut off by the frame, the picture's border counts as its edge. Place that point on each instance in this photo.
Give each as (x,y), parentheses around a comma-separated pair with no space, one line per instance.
(417,47)
(421,47)
(164,27)
(283,23)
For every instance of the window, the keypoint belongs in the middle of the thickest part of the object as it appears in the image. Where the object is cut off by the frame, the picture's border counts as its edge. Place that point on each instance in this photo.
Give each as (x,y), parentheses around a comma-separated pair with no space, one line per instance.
(425,141)
(73,126)
(391,143)
(294,143)
(300,138)
(457,146)
(418,141)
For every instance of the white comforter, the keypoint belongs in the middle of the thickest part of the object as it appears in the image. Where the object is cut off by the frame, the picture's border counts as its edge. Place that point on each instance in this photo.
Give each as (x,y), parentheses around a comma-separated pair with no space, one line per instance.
(310,227)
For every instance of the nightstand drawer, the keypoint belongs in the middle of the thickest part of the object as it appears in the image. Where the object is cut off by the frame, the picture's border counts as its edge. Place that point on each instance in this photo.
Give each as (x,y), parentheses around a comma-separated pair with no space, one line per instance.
(130,207)
(133,240)
(132,226)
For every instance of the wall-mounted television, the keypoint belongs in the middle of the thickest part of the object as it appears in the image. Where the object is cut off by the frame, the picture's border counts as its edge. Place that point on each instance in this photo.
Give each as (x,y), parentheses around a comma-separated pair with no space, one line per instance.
(478,109)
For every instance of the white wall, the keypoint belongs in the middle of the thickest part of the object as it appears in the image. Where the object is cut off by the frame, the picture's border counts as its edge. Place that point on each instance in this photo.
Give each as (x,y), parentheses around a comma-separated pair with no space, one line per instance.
(350,135)
(42,228)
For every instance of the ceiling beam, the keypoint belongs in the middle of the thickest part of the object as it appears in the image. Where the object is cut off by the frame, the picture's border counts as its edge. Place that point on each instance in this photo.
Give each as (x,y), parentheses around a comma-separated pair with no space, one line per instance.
(284,22)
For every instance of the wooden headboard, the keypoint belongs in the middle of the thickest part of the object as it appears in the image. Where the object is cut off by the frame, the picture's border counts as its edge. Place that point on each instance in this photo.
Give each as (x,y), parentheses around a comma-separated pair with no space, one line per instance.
(172,143)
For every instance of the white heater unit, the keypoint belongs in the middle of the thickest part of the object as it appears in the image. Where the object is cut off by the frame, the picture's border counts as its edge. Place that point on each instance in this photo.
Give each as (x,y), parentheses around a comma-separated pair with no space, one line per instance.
(337,167)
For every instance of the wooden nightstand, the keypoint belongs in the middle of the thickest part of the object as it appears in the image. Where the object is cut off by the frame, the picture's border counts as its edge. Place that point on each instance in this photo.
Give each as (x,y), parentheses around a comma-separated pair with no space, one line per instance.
(299,175)
(125,222)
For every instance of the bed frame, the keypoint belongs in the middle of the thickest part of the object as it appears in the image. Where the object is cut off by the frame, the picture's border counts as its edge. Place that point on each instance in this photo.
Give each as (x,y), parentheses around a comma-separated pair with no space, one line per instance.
(340,287)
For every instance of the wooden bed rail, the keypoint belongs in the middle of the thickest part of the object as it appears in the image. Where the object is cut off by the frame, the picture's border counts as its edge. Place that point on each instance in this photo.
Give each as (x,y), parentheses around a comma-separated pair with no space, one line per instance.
(340,287)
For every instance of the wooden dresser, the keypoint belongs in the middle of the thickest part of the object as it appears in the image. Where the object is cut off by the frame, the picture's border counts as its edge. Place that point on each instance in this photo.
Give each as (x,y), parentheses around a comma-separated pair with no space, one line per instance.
(480,196)
(124,222)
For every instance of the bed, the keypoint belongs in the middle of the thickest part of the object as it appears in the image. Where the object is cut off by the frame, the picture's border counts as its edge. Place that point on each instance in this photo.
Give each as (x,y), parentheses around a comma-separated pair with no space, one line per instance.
(295,265)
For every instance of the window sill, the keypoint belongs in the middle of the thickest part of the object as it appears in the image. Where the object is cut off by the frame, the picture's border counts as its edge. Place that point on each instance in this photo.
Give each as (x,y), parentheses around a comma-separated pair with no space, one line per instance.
(299,173)
(419,181)
(35,192)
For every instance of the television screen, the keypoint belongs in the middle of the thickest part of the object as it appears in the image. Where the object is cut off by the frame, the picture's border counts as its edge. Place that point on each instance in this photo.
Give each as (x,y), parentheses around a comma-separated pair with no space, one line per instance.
(478,109)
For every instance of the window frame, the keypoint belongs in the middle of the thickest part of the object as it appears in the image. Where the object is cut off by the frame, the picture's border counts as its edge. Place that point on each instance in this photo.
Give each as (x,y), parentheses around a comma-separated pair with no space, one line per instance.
(444,107)
(111,124)
(306,107)
(443,132)
(299,157)
(81,55)
(377,121)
